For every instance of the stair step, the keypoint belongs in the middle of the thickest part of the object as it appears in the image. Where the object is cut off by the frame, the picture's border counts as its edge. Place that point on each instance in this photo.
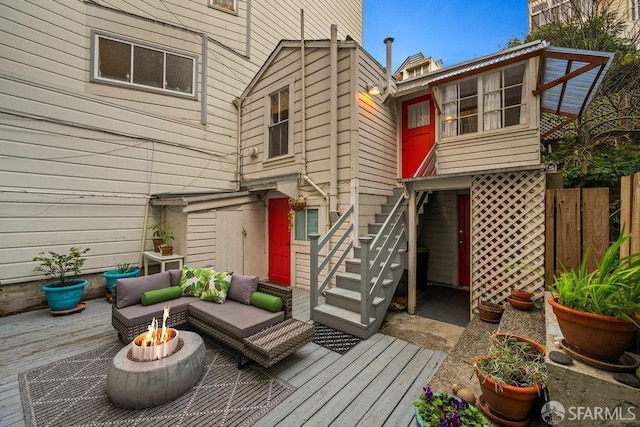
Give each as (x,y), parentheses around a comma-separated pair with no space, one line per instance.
(353,265)
(341,319)
(348,299)
(351,281)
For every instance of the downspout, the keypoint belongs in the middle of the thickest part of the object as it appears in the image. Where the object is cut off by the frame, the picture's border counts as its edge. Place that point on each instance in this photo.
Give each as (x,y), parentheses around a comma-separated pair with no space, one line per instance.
(238,104)
(303,101)
(333,122)
(204,84)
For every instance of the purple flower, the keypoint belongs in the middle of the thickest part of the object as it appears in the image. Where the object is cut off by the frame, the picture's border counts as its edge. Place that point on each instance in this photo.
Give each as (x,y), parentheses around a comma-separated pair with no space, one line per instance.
(428,393)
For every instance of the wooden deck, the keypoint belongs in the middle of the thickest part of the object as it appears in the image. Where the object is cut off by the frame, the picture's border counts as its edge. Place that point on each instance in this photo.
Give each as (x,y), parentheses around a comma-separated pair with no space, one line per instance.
(374,384)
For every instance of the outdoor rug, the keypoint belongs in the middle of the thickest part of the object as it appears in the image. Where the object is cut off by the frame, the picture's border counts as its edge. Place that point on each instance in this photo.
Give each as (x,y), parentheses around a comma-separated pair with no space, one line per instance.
(334,340)
(72,392)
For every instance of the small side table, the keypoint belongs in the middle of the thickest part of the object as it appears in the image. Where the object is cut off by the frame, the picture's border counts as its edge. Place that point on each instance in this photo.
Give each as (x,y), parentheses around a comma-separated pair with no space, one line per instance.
(162,260)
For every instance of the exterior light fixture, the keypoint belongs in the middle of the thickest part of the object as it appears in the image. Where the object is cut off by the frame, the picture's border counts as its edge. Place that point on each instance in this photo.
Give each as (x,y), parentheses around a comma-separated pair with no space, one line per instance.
(373,90)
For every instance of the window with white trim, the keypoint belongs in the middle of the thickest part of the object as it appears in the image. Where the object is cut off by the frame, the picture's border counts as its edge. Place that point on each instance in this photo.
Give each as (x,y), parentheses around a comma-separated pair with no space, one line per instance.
(306,222)
(503,103)
(142,66)
(227,5)
(279,123)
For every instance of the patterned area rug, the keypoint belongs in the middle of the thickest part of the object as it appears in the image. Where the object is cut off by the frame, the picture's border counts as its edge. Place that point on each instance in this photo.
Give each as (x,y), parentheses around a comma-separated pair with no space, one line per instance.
(72,392)
(334,340)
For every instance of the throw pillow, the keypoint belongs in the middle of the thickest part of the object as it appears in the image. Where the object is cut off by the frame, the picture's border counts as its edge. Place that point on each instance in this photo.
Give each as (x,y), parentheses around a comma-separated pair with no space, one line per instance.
(175,274)
(267,302)
(161,295)
(194,280)
(217,288)
(242,287)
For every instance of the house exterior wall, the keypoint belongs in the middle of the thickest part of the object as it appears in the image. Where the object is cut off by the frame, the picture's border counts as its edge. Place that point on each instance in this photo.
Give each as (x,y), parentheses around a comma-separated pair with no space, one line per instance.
(78,160)
(439,235)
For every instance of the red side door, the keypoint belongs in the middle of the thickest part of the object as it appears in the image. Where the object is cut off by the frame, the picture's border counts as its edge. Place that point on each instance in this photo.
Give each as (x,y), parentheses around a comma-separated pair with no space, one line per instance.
(464,247)
(279,241)
(418,132)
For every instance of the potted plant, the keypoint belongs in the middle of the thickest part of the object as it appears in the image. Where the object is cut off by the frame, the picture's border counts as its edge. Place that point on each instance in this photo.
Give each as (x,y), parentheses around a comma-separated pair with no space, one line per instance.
(120,272)
(598,311)
(511,375)
(162,235)
(65,291)
(297,203)
(490,311)
(442,409)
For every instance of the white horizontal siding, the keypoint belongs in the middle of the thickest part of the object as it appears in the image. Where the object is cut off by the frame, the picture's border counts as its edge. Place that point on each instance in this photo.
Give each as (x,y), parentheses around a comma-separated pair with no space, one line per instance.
(486,152)
(201,239)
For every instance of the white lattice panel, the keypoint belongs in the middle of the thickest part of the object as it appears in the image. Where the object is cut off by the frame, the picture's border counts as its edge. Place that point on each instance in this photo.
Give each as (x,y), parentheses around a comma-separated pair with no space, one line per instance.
(507,241)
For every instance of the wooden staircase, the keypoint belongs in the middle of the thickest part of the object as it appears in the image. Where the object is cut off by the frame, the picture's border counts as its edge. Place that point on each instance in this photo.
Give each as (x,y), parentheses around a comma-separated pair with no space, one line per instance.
(344,308)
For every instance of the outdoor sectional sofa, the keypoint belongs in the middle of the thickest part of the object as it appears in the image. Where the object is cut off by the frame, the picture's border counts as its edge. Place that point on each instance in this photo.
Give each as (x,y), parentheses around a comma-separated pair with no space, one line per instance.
(262,335)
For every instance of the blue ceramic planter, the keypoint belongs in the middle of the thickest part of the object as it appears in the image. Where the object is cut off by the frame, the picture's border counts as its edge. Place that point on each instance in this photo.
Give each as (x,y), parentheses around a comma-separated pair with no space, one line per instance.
(113,275)
(63,298)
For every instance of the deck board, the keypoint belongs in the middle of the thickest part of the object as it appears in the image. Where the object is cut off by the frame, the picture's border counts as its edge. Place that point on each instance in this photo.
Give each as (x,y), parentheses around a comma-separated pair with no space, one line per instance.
(373,384)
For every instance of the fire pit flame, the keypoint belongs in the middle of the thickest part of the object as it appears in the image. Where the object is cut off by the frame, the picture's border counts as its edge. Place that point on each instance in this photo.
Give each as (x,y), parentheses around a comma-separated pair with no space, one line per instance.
(155,343)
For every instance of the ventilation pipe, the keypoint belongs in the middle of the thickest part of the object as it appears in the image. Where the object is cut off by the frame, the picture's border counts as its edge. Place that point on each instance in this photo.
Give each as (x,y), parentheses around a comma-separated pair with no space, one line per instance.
(387,86)
(333,122)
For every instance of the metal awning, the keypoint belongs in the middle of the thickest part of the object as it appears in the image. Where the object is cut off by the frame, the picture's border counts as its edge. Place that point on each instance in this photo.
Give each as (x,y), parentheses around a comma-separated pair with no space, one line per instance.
(569,79)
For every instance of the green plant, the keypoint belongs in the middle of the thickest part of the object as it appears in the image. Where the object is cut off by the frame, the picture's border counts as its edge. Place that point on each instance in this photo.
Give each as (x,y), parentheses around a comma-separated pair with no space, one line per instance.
(125,268)
(514,362)
(442,409)
(162,231)
(613,289)
(63,268)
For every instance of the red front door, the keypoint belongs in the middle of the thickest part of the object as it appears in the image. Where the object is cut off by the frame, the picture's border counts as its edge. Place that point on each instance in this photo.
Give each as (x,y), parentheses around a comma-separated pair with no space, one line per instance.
(279,241)
(418,132)
(464,219)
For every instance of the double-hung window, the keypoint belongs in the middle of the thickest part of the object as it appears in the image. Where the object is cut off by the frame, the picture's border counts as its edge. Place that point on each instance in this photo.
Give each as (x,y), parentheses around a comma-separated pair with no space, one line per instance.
(279,123)
(306,222)
(141,66)
(226,5)
(499,98)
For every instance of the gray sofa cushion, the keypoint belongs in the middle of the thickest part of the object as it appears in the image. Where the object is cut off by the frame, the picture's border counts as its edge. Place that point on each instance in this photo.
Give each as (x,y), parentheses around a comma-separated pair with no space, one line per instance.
(174,276)
(237,319)
(242,287)
(129,290)
(136,314)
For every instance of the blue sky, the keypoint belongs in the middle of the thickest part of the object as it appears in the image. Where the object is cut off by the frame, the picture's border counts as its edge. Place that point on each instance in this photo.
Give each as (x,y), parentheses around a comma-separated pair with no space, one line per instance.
(452,30)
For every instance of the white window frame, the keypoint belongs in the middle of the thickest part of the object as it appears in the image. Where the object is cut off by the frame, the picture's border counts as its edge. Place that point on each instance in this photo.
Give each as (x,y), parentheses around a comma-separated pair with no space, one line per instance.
(635,10)
(267,120)
(97,78)
(306,223)
(480,78)
(218,4)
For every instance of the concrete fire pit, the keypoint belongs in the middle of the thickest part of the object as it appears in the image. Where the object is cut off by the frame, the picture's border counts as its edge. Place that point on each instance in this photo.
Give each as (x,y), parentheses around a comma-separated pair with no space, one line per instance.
(136,385)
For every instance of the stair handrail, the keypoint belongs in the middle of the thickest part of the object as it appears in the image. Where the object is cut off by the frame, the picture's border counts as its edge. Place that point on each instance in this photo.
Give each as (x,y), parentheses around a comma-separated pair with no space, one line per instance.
(385,245)
(428,165)
(317,244)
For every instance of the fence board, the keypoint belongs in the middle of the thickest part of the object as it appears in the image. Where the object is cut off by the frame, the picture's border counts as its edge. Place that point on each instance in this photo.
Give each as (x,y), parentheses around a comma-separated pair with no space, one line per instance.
(635,213)
(550,237)
(595,224)
(625,211)
(568,228)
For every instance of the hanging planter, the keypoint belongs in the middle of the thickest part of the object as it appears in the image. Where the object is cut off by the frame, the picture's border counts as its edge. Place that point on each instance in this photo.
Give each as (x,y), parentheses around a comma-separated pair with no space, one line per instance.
(297,204)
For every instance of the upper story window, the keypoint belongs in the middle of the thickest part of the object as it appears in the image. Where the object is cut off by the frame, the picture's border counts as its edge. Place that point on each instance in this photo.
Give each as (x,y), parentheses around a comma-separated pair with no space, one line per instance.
(279,123)
(502,95)
(141,66)
(227,5)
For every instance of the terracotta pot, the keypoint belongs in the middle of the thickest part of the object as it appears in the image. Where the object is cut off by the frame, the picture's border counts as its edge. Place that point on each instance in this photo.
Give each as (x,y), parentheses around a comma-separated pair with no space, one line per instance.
(166,250)
(506,401)
(520,305)
(604,338)
(156,245)
(490,312)
(520,295)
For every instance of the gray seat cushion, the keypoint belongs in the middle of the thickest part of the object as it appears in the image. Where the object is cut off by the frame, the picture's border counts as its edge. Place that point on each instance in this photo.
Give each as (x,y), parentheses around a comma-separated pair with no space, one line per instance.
(137,314)
(239,320)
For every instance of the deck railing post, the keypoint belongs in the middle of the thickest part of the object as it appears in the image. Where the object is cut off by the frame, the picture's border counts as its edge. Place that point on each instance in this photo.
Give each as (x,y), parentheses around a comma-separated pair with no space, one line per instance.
(365,280)
(313,283)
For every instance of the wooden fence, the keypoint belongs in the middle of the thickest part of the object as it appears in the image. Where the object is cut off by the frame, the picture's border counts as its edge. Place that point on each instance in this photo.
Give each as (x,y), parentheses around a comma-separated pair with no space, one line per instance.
(577,221)
(630,213)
